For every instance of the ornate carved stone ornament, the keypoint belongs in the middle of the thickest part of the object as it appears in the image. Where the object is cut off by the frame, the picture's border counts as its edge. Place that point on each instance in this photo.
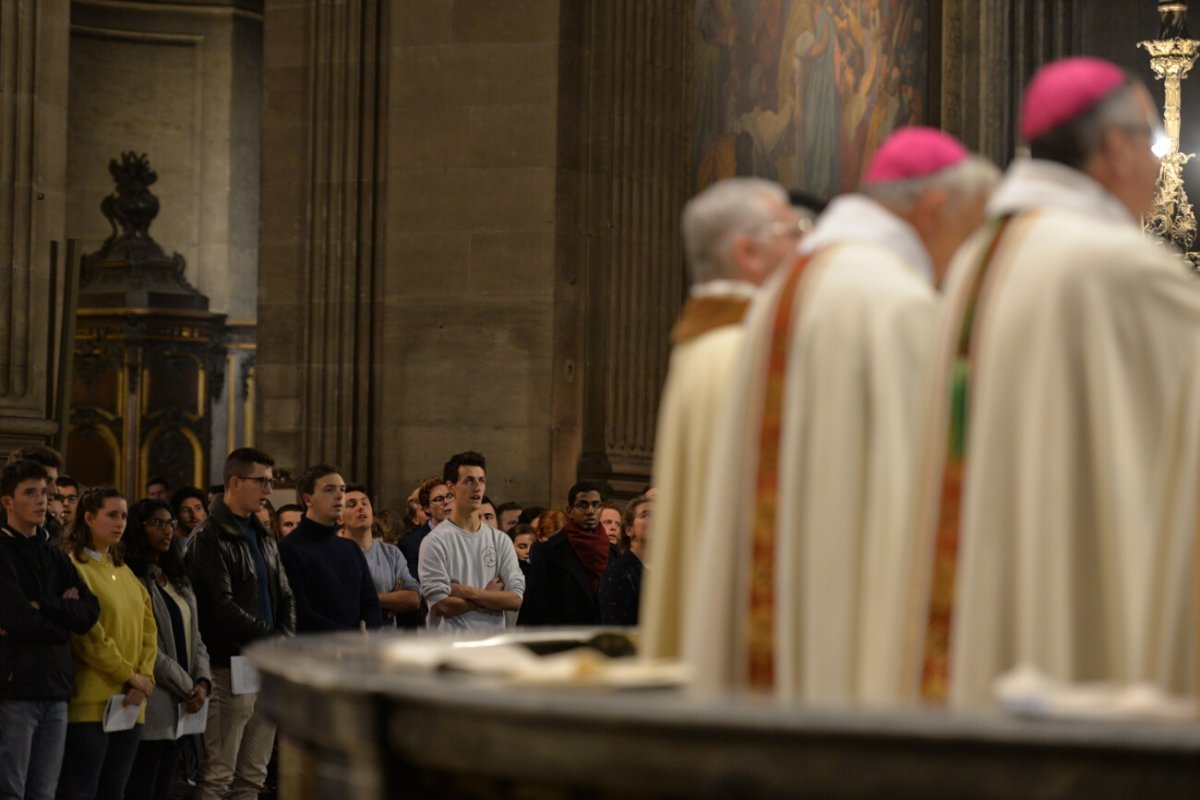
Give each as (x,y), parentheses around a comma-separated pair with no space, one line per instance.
(132,207)
(130,210)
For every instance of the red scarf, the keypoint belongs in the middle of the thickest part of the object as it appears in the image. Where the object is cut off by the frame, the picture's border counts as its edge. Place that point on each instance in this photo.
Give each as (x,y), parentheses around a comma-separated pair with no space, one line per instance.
(592,548)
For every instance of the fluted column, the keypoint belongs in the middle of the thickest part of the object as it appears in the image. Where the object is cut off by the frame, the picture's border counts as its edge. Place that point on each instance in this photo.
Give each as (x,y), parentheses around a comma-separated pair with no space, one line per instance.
(637,67)
(33,110)
(323,163)
(989,51)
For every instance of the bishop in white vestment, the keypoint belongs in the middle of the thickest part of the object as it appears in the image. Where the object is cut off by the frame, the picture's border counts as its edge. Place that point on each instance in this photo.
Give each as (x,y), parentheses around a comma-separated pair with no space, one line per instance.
(798,592)
(736,233)
(1057,515)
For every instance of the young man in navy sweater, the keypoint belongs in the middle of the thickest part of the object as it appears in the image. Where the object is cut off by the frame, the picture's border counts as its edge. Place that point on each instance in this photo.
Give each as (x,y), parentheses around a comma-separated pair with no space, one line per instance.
(328,574)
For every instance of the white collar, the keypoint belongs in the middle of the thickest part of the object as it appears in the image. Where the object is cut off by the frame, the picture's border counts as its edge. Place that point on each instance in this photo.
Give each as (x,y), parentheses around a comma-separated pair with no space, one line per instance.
(858,218)
(724,287)
(1033,183)
(92,554)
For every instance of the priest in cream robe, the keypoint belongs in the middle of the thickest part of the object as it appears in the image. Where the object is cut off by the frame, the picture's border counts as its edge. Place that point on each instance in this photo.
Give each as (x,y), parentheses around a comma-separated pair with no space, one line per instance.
(797,592)
(1057,516)
(735,233)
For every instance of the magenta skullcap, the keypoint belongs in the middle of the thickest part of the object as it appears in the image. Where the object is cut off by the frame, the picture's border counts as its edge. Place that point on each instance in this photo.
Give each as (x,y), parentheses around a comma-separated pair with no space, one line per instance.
(914,152)
(1063,90)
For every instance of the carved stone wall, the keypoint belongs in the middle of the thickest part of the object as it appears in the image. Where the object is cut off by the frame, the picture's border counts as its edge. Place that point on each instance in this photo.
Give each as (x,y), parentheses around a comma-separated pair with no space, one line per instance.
(404,331)
(989,51)
(635,160)
(514,292)
(33,125)
(469,281)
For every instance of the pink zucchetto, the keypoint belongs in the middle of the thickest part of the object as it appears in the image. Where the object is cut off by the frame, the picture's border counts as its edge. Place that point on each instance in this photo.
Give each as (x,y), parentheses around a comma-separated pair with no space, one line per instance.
(915,152)
(1062,90)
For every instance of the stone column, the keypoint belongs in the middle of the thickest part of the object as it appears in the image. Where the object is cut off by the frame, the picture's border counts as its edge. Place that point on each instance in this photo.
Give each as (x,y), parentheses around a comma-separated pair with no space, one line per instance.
(635,68)
(34,37)
(325,69)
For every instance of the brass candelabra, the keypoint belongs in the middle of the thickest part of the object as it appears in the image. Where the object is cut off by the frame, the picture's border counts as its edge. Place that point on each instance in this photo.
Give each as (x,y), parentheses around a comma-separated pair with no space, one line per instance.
(1172,55)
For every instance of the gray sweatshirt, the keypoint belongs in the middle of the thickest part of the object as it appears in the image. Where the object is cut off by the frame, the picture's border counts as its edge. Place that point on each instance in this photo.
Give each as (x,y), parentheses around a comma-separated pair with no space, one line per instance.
(450,554)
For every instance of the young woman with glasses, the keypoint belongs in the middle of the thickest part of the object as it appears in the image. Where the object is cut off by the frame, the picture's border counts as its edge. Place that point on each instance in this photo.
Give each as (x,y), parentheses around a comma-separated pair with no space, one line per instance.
(181,671)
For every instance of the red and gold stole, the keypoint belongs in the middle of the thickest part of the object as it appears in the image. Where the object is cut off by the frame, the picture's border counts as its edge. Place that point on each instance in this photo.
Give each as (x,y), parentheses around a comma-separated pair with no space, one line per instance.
(935,667)
(760,630)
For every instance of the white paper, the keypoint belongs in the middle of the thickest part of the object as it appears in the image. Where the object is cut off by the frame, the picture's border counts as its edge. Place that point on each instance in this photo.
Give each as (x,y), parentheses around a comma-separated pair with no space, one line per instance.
(1026,692)
(191,723)
(118,716)
(243,676)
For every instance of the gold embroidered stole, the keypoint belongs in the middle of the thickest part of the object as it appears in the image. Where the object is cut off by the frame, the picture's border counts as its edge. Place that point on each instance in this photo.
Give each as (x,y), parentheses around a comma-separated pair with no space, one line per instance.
(935,668)
(760,630)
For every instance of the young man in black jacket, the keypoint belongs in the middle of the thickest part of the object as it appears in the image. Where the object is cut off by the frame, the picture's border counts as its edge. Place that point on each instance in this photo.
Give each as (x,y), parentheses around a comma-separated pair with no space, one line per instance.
(42,600)
(242,595)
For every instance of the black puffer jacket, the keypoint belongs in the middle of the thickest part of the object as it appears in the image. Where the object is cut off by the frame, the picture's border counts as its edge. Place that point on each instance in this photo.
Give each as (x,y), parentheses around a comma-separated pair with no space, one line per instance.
(226,584)
(35,653)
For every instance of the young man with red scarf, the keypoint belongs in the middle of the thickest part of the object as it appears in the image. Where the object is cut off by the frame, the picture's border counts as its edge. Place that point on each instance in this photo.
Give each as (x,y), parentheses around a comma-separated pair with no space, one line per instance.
(564,572)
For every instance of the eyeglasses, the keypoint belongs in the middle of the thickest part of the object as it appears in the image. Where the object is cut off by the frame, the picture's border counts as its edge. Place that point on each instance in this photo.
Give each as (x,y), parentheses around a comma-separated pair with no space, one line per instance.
(444,498)
(156,522)
(584,505)
(794,229)
(263,482)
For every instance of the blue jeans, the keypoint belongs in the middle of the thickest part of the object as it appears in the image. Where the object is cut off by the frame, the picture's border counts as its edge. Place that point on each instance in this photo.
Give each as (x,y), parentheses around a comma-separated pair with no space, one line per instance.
(32,734)
(99,762)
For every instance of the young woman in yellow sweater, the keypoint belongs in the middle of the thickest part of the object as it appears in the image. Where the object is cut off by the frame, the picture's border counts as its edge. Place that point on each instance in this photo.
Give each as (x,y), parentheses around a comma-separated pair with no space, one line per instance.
(115,657)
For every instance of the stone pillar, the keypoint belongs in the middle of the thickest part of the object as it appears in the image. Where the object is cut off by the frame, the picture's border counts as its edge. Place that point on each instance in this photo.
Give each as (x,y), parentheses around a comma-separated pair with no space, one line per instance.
(325,69)
(346,165)
(33,154)
(636,67)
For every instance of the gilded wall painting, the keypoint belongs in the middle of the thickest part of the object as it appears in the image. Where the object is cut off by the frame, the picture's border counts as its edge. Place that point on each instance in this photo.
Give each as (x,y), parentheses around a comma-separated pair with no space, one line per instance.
(803,91)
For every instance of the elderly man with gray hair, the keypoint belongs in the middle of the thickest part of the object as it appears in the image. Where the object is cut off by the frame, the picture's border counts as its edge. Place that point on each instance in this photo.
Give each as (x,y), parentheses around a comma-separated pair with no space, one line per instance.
(802,560)
(736,233)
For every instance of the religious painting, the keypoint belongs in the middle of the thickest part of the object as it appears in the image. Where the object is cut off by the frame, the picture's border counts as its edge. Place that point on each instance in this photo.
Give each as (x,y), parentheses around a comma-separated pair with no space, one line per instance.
(803,91)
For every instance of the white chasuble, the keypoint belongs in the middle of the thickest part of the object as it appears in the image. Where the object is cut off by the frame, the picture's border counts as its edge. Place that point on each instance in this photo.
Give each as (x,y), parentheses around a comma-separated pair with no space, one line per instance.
(1076,356)
(706,339)
(800,587)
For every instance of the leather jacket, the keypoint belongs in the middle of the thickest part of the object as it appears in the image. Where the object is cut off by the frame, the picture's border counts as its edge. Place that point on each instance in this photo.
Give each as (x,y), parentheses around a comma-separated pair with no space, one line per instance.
(226,584)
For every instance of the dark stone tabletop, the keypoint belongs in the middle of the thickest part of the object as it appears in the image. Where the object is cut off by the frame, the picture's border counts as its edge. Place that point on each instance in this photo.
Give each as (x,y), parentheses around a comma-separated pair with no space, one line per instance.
(357,725)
